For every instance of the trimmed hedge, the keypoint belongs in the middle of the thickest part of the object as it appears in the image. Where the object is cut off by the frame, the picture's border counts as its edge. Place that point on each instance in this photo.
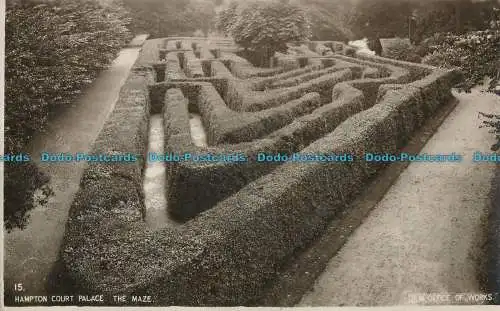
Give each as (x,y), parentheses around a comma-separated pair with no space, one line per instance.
(291,138)
(303,78)
(230,178)
(222,124)
(215,116)
(149,53)
(243,69)
(250,217)
(241,98)
(217,69)
(226,255)
(101,199)
(262,83)
(246,236)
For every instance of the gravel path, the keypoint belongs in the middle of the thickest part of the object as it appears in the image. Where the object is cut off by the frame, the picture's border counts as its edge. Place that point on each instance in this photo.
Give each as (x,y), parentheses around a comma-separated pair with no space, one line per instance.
(198,134)
(426,235)
(155,179)
(30,254)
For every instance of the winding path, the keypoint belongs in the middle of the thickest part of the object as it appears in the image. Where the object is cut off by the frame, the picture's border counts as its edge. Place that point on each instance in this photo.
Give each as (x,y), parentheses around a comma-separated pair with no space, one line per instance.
(427,234)
(30,254)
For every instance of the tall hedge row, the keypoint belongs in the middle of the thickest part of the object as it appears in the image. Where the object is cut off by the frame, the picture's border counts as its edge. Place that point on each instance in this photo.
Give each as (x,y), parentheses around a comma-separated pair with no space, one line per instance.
(54,49)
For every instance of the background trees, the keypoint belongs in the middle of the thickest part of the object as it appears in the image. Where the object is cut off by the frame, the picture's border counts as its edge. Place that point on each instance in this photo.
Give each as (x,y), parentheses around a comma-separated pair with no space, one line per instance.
(477,54)
(389,18)
(451,16)
(158,18)
(200,15)
(162,18)
(380,18)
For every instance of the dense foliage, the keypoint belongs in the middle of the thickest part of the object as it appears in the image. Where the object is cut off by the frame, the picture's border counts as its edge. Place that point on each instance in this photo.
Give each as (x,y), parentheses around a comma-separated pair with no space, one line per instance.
(161,18)
(476,53)
(389,18)
(226,18)
(200,15)
(380,18)
(451,16)
(328,19)
(265,27)
(53,50)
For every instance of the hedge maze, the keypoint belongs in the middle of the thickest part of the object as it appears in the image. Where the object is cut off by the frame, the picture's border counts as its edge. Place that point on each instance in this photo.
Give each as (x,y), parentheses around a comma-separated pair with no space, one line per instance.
(240,221)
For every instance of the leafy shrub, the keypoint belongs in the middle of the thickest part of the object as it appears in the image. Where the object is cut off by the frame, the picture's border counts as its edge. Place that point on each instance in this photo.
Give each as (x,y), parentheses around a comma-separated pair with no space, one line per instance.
(226,18)
(441,16)
(53,50)
(476,53)
(493,121)
(200,14)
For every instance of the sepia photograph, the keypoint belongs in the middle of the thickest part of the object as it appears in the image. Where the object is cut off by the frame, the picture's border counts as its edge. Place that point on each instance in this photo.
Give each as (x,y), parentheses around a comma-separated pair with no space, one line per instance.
(255,153)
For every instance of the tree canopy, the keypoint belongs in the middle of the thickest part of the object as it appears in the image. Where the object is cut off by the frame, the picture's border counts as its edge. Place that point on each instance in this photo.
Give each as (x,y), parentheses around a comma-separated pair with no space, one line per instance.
(265,27)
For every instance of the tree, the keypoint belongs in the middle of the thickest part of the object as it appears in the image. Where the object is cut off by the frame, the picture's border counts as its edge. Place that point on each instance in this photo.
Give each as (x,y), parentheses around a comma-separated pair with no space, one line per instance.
(200,14)
(265,27)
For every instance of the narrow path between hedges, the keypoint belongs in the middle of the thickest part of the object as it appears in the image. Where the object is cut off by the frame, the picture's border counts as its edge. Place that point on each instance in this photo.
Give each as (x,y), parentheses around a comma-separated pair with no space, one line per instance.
(427,234)
(30,254)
